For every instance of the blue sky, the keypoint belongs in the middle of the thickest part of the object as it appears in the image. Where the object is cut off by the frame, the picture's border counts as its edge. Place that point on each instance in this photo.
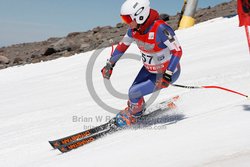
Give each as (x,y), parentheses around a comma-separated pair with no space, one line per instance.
(36,20)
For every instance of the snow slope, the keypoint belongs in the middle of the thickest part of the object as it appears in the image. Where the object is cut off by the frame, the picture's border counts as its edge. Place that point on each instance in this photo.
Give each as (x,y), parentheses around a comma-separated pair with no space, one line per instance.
(38,103)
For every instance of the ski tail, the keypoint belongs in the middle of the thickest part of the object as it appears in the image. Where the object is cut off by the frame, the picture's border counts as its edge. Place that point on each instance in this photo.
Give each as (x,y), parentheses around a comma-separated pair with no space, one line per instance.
(78,143)
(69,139)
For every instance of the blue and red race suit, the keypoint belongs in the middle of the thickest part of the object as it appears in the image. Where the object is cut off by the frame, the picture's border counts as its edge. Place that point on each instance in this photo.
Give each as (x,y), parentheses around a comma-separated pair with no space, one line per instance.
(160,51)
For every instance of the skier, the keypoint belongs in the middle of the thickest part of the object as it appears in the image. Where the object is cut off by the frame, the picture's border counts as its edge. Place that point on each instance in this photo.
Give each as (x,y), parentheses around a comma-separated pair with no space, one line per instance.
(161,53)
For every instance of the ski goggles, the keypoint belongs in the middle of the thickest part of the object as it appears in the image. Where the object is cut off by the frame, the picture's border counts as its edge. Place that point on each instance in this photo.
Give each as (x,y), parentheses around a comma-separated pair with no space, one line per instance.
(126,19)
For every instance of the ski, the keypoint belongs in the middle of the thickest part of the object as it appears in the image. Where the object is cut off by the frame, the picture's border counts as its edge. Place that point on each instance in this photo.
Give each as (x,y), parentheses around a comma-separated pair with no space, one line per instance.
(79,139)
(64,141)
(78,143)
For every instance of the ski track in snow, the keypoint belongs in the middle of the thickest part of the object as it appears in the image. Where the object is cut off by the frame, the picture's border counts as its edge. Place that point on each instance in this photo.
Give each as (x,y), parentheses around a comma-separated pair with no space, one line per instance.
(38,102)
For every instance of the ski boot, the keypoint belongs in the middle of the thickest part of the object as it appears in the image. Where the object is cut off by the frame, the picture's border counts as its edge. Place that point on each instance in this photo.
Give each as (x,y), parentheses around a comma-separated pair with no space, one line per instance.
(130,114)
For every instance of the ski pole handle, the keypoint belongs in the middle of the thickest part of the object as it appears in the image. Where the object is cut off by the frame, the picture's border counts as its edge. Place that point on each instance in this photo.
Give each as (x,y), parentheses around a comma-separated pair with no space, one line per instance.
(107,70)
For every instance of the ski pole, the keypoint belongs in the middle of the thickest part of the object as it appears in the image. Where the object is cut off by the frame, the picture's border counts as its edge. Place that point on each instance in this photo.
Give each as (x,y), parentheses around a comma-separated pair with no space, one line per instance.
(112,46)
(210,87)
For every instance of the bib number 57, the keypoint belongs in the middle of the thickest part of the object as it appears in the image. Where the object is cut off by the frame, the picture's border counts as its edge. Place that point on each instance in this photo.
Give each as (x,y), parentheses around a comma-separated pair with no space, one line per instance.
(147,58)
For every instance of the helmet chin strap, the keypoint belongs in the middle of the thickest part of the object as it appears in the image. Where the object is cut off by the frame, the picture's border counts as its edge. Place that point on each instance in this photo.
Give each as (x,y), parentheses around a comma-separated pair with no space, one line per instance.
(137,28)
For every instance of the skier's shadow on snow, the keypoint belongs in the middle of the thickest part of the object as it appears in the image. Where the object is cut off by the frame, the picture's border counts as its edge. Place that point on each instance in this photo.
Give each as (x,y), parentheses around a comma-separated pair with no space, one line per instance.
(246,107)
(160,117)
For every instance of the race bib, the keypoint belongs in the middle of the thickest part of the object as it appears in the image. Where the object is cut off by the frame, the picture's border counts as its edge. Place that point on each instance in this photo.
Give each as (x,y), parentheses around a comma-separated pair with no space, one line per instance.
(156,62)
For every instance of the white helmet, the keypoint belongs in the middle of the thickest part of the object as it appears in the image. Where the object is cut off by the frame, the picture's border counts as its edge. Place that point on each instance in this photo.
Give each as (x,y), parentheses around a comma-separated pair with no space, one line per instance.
(137,10)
